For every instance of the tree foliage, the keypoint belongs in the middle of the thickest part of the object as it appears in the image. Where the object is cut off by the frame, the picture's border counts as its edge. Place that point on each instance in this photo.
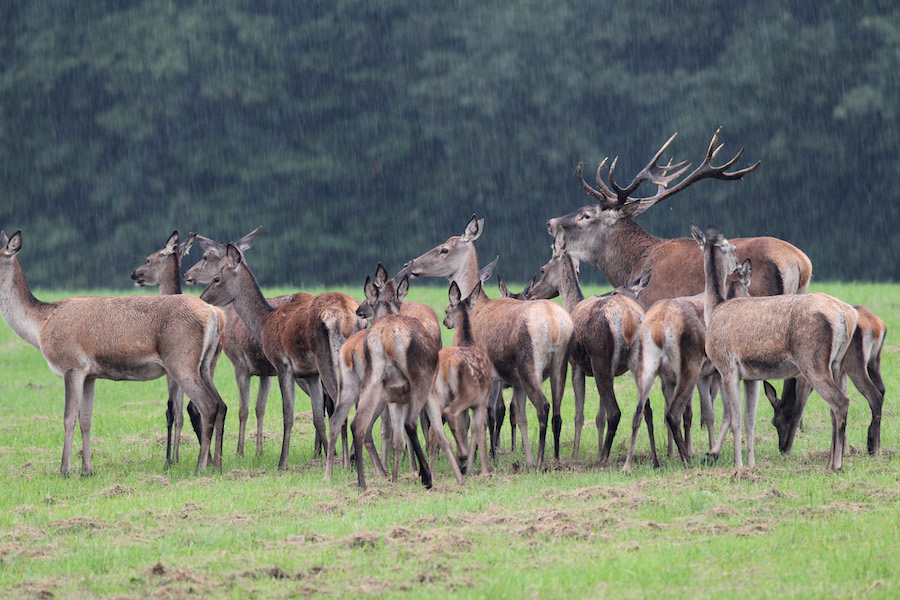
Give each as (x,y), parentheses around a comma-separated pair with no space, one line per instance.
(362,132)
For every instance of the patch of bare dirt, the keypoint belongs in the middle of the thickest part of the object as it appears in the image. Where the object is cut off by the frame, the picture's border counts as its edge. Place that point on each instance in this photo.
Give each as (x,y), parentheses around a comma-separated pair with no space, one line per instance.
(363,539)
(78,523)
(243,474)
(159,480)
(117,490)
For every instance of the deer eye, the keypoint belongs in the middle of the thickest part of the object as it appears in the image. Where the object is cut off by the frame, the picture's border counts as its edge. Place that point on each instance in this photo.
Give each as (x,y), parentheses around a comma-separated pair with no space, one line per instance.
(445,250)
(216,279)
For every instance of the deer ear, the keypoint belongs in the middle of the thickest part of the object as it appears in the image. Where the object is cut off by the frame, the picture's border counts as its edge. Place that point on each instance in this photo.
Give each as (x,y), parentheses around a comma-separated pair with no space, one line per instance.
(698,235)
(207,244)
(234,255)
(485,273)
(381,275)
(185,246)
(643,279)
(371,290)
(504,291)
(745,271)
(473,229)
(245,242)
(473,297)
(171,244)
(4,239)
(454,294)
(529,287)
(13,244)
(771,394)
(402,289)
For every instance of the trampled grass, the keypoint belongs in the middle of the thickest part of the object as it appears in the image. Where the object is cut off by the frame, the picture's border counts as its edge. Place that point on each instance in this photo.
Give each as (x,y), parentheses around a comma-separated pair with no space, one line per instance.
(138,530)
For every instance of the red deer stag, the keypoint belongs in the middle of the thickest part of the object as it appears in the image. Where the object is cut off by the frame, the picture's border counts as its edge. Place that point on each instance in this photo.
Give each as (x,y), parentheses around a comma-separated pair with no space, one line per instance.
(605,344)
(772,338)
(673,347)
(241,348)
(862,364)
(301,338)
(135,338)
(606,236)
(163,269)
(527,342)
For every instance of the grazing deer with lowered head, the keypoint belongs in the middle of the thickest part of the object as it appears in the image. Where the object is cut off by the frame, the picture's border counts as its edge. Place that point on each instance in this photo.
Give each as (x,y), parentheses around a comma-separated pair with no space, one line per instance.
(163,269)
(462,382)
(606,236)
(772,337)
(527,342)
(605,343)
(135,338)
(862,365)
(241,348)
(399,361)
(673,347)
(301,338)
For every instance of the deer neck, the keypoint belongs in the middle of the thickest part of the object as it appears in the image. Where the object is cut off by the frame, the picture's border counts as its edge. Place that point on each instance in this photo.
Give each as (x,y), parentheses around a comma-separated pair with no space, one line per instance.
(171,280)
(467,275)
(622,254)
(250,304)
(714,292)
(23,312)
(463,335)
(569,288)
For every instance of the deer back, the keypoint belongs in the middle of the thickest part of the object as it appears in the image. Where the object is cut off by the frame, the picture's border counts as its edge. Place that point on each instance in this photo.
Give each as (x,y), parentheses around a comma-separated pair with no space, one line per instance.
(766,336)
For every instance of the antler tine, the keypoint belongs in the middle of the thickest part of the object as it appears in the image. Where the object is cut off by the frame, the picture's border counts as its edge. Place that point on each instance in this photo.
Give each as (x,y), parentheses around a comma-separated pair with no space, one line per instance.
(705,170)
(653,172)
(604,196)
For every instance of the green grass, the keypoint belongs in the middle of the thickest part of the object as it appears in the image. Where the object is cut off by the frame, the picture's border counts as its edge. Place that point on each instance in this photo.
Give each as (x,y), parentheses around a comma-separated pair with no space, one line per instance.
(138,530)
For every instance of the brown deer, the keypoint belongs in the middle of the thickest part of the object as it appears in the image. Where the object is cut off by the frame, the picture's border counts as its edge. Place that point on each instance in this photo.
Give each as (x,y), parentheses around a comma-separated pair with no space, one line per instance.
(135,338)
(382,298)
(526,342)
(605,235)
(772,337)
(399,362)
(462,382)
(301,338)
(241,348)
(673,347)
(862,364)
(163,269)
(605,343)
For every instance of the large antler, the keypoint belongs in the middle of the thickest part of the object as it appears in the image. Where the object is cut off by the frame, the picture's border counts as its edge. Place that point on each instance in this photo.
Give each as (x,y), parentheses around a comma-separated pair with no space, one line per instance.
(619,198)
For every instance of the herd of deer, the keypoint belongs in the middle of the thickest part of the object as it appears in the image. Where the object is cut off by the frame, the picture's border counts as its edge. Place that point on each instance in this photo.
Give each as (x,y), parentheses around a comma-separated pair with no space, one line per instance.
(686,311)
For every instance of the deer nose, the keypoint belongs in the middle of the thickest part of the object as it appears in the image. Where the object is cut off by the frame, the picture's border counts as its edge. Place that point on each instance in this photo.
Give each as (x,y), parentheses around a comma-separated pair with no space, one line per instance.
(551,227)
(134,276)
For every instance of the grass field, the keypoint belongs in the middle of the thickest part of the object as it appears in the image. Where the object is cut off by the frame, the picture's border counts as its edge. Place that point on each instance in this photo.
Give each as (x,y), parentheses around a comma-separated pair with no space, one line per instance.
(785,528)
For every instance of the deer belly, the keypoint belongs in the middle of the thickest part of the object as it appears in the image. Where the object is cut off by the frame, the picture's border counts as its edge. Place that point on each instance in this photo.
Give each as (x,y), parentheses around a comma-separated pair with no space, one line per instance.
(757,368)
(117,368)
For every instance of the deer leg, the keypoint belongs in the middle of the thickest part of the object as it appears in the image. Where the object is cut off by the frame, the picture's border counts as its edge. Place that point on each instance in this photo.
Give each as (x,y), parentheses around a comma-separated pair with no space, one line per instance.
(676,411)
(707,413)
(317,400)
(349,393)
(668,392)
(398,418)
(688,421)
(751,396)
(262,398)
(478,437)
(823,382)
(613,414)
(557,386)
(84,421)
(242,378)
(518,397)
(173,411)
(434,414)
(512,420)
(495,397)
(542,407)
(862,380)
(370,405)
(731,396)
(286,383)
(74,384)
(643,400)
(578,387)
